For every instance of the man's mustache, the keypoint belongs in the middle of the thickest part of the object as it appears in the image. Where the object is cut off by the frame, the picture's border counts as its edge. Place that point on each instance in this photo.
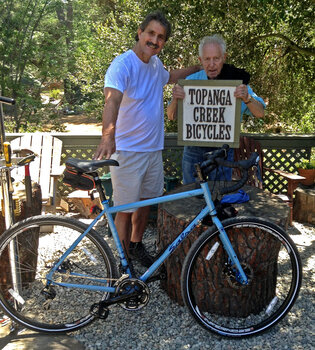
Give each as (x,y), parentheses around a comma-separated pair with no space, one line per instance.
(155,46)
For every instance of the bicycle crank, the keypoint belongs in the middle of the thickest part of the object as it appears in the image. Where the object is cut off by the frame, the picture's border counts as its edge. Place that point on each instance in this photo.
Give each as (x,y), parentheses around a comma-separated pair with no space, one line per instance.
(138,290)
(131,294)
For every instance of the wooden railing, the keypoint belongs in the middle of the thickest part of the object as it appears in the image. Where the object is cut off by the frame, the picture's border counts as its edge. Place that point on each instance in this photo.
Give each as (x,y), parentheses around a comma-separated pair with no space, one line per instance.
(281,151)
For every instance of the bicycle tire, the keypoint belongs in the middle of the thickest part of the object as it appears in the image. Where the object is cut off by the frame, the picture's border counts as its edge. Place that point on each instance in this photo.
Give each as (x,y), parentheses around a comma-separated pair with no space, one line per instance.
(41,240)
(224,306)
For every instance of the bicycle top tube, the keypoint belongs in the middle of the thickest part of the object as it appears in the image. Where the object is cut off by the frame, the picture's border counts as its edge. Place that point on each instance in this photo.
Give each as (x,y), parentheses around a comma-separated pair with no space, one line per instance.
(157,200)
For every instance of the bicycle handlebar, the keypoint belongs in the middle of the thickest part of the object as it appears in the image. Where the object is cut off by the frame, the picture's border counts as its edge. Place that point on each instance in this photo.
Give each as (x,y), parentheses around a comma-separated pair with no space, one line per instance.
(7,100)
(218,158)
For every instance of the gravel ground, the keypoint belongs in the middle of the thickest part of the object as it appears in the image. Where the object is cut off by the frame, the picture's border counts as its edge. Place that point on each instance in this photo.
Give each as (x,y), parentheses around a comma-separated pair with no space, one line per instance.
(163,324)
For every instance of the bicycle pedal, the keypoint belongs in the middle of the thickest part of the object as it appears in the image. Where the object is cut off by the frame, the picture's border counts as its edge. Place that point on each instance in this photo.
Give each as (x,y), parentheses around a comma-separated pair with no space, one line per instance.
(97,310)
(103,314)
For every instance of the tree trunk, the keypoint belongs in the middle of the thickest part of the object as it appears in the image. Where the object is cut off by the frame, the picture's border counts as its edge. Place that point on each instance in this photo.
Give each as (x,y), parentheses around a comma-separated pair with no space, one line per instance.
(216,291)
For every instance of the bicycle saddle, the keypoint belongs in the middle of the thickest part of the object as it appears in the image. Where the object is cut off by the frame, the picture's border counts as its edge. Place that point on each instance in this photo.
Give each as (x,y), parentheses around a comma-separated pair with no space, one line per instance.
(85,166)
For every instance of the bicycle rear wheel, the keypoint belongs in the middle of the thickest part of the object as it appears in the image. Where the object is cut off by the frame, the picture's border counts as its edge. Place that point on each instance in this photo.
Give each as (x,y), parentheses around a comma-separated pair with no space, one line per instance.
(221,304)
(38,242)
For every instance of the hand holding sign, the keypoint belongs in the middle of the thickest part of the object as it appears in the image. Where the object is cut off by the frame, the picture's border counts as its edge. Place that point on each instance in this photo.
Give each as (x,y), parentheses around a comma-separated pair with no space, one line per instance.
(178,92)
(241,92)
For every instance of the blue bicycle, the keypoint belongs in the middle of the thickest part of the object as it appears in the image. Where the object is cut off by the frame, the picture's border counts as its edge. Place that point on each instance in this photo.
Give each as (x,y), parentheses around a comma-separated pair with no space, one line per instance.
(239,278)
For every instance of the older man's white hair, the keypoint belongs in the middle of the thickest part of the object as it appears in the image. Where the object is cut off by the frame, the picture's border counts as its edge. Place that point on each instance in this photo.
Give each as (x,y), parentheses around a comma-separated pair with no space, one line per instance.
(213,39)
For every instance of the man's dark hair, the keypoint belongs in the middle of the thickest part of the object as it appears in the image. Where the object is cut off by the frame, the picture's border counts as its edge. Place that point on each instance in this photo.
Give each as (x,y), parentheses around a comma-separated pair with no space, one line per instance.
(159,17)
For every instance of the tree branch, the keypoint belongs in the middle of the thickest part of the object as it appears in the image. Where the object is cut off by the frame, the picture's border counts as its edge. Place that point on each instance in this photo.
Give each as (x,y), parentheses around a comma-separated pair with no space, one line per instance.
(302,50)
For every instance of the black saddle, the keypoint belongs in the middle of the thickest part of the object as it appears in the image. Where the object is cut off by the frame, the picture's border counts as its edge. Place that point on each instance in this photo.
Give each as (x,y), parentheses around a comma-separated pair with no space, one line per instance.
(87,166)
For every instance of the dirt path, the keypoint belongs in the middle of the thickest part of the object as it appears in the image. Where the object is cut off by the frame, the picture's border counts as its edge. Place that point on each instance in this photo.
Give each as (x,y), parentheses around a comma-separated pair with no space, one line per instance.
(81,124)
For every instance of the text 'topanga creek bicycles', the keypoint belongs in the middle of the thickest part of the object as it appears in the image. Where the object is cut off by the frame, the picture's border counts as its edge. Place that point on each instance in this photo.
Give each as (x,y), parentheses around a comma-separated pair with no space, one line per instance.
(240,277)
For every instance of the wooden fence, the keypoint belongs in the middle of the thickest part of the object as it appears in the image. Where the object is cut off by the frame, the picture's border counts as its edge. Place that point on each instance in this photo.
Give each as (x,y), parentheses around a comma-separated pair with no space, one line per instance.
(281,151)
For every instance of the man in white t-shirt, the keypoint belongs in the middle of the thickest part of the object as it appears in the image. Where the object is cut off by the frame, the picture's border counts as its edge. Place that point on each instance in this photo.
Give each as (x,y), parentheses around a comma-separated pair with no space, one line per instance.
(133,128)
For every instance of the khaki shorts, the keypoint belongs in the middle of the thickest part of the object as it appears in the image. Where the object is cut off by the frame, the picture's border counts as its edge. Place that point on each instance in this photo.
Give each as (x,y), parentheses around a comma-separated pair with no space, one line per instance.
(138,176)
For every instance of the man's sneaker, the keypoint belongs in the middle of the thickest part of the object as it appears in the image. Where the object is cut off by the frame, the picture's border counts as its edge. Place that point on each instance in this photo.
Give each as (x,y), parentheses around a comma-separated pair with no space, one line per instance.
(138,252)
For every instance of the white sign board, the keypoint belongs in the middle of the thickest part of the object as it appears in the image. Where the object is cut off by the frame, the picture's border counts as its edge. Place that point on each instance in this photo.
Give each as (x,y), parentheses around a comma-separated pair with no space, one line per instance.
(209,115)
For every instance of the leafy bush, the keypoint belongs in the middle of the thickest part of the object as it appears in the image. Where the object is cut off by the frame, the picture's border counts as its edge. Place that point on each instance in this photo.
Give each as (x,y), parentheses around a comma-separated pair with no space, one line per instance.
(55,94)
(306,164)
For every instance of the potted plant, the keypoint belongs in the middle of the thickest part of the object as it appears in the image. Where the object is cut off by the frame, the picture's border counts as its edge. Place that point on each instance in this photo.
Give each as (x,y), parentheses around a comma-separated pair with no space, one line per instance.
(306,168)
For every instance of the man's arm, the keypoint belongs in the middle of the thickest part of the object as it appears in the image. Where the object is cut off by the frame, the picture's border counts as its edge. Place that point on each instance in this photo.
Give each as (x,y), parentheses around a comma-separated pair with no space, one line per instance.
(182,73)
(256,108)
(107,145)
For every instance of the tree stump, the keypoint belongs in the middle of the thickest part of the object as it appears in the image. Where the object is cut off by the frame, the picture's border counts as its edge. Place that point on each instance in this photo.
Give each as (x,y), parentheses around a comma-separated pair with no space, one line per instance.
(24,254)
(174,216)
(304,204)
(215,292)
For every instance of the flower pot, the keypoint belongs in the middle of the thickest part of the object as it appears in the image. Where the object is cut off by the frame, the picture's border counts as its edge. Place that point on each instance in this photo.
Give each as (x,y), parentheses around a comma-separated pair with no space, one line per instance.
(309,175)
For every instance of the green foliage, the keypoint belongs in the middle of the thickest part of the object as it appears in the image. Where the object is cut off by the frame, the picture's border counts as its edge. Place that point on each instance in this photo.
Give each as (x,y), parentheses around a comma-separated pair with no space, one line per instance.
(30,54)
(55,94)
(110,34)
(306,164)
(74,42)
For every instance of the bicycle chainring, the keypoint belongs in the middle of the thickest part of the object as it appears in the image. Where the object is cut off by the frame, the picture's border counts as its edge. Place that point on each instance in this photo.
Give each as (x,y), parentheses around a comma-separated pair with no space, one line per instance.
(128,285)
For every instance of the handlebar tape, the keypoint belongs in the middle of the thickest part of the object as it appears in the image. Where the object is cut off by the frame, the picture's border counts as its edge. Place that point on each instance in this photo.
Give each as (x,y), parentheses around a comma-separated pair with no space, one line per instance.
(217,158)
(244,165)
(236,186)
(241,164)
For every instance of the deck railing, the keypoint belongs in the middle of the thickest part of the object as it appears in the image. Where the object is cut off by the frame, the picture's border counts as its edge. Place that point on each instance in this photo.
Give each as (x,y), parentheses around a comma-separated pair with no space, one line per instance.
(281,151)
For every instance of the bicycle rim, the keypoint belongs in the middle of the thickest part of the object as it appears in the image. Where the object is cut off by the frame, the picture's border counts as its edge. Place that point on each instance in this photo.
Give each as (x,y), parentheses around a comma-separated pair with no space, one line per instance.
(218,301)
(38,242)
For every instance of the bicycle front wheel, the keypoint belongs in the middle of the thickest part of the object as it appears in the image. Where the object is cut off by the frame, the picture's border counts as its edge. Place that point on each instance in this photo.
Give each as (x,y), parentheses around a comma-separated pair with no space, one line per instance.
(29,250)
(210,286)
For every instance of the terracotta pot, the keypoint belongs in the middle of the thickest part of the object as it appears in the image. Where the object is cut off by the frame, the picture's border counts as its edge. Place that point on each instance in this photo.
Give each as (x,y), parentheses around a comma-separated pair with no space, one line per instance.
(309,175)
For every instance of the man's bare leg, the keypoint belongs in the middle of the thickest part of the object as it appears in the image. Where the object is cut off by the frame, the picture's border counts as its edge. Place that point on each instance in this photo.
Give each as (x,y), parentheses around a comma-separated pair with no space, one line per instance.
(139,221)
(137,250)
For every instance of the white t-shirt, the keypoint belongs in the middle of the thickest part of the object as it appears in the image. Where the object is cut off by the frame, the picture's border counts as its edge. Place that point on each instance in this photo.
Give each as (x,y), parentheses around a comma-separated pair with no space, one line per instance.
(140,123)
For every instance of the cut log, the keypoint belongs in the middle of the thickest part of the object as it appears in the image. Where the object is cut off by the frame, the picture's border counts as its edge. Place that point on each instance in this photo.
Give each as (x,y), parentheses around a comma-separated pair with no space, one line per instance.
(174,216)
(304,204)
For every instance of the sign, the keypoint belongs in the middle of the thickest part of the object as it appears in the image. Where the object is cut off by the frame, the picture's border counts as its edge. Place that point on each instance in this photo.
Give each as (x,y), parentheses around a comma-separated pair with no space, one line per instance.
(209,115)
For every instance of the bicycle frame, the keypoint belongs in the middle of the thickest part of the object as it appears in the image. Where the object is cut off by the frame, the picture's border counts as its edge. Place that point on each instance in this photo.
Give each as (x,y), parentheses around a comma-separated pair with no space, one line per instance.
(108,211)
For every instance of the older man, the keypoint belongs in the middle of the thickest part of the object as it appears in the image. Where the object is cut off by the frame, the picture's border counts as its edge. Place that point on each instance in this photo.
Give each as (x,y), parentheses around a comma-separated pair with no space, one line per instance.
(133,128)
(212,56)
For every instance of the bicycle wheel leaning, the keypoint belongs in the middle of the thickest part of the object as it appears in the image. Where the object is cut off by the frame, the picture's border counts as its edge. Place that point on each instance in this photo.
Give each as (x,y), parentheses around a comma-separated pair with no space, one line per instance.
(39,242)
(221,304)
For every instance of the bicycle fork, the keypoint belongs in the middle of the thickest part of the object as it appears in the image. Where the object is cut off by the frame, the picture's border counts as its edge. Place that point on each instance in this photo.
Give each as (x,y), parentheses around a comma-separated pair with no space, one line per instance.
(233,259)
